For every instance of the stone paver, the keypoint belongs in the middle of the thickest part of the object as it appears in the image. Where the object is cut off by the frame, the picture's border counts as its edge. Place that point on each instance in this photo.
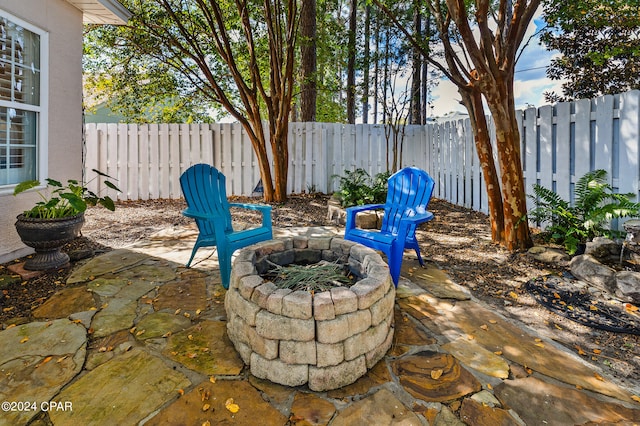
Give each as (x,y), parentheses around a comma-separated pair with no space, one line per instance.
(141,339)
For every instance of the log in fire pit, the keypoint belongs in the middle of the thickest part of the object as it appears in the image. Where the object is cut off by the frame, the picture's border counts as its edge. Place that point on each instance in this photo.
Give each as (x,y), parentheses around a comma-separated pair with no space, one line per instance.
(324,338)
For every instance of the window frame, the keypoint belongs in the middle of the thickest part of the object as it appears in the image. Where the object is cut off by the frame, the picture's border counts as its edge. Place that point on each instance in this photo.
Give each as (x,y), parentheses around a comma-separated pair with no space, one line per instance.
(41,110)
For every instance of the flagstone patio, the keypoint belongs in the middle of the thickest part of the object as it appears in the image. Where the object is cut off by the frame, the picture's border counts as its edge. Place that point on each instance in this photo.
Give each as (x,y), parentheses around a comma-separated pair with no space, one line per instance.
(137,338)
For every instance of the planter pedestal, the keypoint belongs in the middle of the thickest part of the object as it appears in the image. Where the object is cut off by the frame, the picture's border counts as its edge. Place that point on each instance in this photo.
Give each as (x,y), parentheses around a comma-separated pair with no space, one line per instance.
(326,339)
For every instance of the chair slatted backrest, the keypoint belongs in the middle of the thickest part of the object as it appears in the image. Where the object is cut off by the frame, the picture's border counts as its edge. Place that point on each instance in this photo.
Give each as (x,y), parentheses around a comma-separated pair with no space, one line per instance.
(409,192)
(204,189)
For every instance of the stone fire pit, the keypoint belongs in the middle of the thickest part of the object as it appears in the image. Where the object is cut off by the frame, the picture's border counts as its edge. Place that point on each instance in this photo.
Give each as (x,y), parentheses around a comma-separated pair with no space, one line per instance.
(328,339)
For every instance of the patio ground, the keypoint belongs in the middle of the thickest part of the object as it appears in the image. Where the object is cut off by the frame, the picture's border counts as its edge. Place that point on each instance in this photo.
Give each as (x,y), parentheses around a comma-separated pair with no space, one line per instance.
(435,317)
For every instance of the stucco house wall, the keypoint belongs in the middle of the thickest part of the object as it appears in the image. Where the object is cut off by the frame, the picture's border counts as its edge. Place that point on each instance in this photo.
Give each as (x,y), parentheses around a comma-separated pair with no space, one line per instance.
(60,129)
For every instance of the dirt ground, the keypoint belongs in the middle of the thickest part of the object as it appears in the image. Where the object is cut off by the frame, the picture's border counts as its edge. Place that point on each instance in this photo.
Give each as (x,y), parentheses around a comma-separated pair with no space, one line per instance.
(457,240)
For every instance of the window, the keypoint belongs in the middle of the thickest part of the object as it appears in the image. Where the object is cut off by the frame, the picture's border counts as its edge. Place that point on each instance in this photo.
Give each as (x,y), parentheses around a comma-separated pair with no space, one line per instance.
(20,100)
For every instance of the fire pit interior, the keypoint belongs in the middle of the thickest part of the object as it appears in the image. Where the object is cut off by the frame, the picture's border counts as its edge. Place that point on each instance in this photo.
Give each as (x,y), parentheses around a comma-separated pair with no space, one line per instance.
(326,334)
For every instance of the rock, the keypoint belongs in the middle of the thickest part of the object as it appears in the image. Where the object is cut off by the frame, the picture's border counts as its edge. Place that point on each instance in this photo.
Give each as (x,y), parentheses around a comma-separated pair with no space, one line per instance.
(628,286)
(382,408)
(309,409)
(538,402)
(122,391)
(604,249)
(475,356)
(434,377)
(477,413)
(36,361)
(205,348)
(548,255)
(335,212)
(206,404)
(587,268)
(367,220)
(65,303)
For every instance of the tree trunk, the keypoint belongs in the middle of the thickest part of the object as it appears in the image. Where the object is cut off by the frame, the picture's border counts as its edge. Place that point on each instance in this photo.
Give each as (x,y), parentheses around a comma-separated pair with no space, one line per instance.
(366,64)
(500,101)
(472,99)
(351,64)
(308,60)
(416,76)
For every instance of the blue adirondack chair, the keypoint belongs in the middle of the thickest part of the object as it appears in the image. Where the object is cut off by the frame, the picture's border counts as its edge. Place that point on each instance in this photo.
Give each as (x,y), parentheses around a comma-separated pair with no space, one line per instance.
(405,208)
(204,190)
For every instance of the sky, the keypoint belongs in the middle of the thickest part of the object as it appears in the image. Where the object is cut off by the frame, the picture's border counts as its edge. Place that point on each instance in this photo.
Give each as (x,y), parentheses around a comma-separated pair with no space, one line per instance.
(530,84)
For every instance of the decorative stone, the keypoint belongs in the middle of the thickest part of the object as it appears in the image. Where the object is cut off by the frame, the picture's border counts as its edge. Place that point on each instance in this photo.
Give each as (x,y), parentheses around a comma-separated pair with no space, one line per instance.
(548,255)
(117,315)
(274,303)
(475,356)
(309,409)
(205,404)
(539,402)
(66,302)
(337,376)
(261,294)
(628,286)
(247,284)
(293,352)
(435,377)
(344,300)
(205,348)
(106,394)
(187,295)
(329,354)
(587,268)
(366,341)
(279,327)
(604,249)
(381,408)
(279,371)
(160,324)
(298,305)
(474,412)
(323,308)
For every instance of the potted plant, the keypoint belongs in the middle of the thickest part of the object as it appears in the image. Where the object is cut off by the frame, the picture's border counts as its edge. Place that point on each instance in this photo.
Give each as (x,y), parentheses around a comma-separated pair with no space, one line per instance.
(56,219)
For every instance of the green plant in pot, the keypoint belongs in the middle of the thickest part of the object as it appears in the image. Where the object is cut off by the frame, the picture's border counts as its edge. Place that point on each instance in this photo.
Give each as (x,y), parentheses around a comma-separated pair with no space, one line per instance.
(56,219)
(594,207)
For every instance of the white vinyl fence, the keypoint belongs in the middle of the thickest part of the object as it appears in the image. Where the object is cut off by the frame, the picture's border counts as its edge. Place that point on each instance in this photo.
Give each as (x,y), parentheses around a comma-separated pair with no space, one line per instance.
(559,144)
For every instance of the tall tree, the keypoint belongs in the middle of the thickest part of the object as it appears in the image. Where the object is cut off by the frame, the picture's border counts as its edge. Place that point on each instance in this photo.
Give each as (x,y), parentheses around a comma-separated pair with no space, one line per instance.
(366,64)
(599,43)
(239,54)
(308,63)
(351,62)
(480,42)
(416,65)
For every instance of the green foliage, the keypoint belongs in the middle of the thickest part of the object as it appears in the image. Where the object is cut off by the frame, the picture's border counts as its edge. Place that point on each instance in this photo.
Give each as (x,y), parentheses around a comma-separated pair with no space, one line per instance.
(358,188)
(599,45)
(65,200)
(314,277)
(595,206)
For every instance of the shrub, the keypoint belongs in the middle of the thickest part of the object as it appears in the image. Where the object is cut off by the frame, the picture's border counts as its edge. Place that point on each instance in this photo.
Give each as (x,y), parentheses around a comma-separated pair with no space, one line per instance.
(358,188)
(595,206)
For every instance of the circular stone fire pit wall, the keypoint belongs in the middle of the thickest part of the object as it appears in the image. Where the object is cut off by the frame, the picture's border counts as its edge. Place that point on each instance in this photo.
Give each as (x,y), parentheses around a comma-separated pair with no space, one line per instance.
(328,339)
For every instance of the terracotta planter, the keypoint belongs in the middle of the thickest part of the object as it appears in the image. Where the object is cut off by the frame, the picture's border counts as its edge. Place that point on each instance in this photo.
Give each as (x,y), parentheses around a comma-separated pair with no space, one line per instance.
(47,236)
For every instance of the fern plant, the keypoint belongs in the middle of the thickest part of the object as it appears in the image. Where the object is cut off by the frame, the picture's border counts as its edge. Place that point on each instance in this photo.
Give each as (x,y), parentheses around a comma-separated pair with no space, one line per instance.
(358,188)
(595,206)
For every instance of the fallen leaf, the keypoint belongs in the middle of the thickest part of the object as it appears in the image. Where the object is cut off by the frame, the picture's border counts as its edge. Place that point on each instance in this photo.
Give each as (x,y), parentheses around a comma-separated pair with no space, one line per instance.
(181,391)
(538,340)
(597,351)
(513,295)
(493,321)
(192,355)
(630,308)
(207,423)
(206,407)
(140,332)
(556,295)
(484,327)
(10,326)
(540,345)
(498,353)
(470,336)
(212,379)
(198,311)
(190,337)
(489,386)
(599,377)
(580,351)
(557,326)
(177,311)
(636,398)
(435,374)
(232,406)
(593,308)
(62,359)
(24,340)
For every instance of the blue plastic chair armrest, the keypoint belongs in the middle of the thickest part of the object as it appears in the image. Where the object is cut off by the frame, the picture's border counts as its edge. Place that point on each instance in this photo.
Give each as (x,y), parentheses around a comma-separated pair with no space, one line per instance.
(413,220)
(352,211)
(197,215)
